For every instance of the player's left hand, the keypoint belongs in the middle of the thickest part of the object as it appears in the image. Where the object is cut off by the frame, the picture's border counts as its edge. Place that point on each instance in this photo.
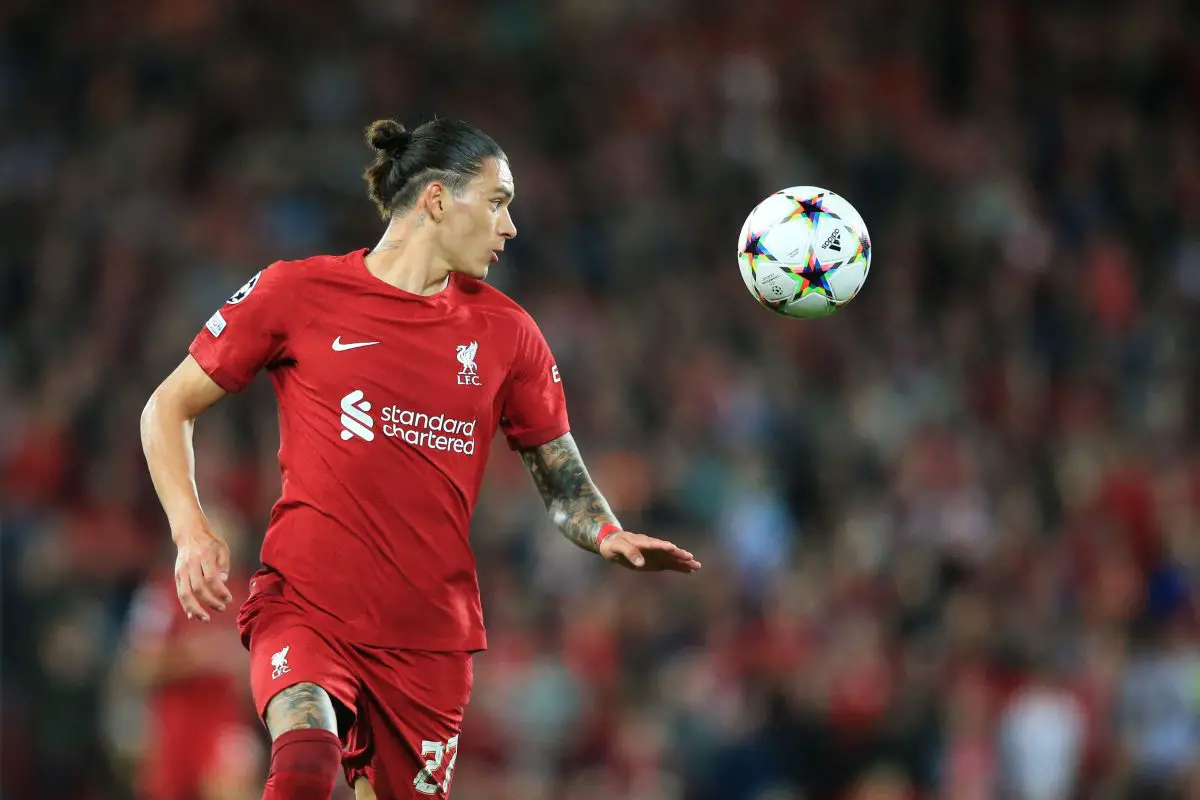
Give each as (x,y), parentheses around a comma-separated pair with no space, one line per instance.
(644,554)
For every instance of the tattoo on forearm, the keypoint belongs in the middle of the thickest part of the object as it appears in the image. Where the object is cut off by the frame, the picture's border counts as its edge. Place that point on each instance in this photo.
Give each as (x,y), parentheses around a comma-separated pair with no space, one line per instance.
(575,504)
(304,705)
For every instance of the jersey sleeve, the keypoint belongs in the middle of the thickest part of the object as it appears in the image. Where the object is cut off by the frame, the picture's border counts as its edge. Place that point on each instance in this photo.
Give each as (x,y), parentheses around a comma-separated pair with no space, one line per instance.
(535,409)
(249,332)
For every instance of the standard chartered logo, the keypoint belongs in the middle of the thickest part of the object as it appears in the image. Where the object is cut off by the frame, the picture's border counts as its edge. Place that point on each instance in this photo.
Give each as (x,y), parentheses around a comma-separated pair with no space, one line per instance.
(433,431)
(355,419)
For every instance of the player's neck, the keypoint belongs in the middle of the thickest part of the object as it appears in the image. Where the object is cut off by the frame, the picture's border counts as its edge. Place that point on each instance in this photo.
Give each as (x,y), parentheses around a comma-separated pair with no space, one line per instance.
(407,260)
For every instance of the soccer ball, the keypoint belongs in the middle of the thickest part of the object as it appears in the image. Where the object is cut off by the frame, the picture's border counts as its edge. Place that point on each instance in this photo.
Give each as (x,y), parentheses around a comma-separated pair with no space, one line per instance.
(804,252)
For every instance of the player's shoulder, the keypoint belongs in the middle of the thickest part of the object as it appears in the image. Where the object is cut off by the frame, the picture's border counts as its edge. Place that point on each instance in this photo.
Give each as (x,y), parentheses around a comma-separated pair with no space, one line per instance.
(484,297)
(296,278)
(314,266)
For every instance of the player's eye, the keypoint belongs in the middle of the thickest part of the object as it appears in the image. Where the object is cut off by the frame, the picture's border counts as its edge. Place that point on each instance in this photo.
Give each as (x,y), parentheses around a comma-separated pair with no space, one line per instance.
(496,205)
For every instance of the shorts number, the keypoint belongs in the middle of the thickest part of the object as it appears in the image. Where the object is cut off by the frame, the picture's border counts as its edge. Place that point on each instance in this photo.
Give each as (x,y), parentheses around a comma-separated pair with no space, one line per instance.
(434,754)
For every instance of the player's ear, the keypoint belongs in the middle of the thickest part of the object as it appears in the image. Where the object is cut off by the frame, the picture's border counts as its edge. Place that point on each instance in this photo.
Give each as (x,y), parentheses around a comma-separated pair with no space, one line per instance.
(435,195)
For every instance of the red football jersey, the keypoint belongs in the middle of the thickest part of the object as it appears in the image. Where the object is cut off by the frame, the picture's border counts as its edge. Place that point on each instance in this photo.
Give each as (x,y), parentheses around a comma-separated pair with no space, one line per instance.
(194,719)
(388,403)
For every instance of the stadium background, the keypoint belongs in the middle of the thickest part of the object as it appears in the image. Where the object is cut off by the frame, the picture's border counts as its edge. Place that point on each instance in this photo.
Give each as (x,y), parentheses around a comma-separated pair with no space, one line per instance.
(949,534)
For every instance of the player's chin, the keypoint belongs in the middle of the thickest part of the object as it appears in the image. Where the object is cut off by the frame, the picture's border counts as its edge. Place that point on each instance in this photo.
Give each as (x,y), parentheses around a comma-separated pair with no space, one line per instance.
(479,272)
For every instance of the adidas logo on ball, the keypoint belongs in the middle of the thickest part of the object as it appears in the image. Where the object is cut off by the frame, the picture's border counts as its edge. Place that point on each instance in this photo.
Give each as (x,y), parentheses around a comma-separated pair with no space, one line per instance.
(834,242)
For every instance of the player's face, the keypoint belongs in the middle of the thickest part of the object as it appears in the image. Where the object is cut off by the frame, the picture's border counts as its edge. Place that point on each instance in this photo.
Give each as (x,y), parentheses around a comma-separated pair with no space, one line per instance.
(478,224)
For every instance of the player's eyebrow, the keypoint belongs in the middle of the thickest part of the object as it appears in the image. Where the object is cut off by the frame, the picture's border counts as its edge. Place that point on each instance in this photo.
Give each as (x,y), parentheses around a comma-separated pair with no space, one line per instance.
(504,190)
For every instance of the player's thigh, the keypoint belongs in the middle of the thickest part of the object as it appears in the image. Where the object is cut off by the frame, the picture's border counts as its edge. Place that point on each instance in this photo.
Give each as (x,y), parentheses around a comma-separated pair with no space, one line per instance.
(299,706)
(405,742)
(300,677)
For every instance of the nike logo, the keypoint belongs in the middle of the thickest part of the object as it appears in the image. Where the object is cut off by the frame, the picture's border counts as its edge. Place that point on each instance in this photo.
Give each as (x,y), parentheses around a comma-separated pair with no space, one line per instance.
(339,347)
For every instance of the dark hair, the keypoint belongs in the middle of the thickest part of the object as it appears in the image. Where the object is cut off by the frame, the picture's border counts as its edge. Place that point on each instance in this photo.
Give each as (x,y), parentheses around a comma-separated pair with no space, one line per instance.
(446,150)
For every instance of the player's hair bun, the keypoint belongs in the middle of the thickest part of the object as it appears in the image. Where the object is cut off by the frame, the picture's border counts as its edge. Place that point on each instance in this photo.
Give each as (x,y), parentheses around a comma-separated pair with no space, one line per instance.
(388,137)
(452,150)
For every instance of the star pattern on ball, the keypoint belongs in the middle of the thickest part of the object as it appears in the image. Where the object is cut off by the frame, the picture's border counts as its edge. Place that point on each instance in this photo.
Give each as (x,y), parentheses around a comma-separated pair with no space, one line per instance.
(864,250)
(751,262)
(755,247)
(811,208)
(814,277)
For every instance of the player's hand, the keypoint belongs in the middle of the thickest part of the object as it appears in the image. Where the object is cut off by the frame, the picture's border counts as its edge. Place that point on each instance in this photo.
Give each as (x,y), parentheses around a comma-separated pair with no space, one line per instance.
(645,554)
(201,570)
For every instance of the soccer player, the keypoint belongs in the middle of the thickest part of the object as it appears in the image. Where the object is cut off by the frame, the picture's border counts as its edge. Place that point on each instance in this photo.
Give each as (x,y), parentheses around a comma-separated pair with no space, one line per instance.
(200,743)
(393,368)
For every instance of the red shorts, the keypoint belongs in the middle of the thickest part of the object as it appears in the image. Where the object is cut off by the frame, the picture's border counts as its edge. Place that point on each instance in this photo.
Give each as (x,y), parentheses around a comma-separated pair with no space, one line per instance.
(406,705)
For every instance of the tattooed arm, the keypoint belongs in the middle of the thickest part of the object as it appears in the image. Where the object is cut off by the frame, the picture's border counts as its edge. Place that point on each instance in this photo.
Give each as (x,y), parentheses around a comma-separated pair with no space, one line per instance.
(581,513)
(576,506)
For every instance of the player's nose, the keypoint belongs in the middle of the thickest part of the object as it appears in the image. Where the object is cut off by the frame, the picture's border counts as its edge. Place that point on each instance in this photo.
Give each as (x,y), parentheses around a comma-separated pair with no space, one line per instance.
(507,228)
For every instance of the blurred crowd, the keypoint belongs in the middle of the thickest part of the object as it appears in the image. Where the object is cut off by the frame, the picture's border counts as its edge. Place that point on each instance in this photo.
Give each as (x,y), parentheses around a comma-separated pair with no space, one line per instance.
(950,534)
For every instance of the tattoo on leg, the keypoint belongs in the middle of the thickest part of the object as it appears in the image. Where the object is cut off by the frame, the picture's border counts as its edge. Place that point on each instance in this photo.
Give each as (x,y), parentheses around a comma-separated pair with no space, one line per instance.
(304,705)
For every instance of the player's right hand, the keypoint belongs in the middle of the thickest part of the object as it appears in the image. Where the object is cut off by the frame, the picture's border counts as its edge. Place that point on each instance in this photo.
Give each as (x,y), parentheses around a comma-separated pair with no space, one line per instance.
(201,570)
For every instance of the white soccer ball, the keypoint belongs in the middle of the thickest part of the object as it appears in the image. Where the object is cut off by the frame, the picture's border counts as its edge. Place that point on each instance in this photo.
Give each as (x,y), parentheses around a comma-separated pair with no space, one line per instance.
(804,252)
